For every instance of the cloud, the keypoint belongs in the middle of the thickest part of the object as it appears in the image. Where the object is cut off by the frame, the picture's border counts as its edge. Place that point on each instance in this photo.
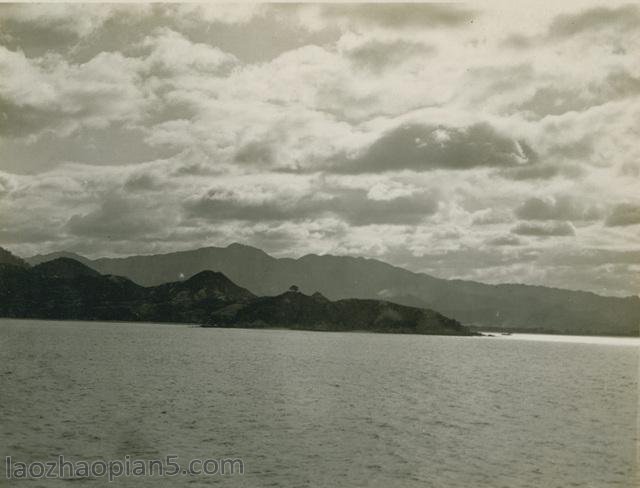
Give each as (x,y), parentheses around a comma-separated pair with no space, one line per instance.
(15,229)
(624,214)
(403,132)
(630,169)
(377,55)
(76,20)
(142,182)
(219,204)
(560,229)
(558,208)
(261,152)
(517,41)
(504,241)
(352,205)
(531,172)
(357,209)
(489,216)
(120,218)
(173,54)
(553,99)
(623,17)
(216,13)
(6,185)
(579,149)
(398,15)
(420,147)
(593,256)
(49,93)
(458,262)
(113,145)
(63,24)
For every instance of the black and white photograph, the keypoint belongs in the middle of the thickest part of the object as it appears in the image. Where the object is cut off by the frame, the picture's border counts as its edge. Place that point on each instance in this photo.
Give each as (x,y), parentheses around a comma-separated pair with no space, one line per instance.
(320,244)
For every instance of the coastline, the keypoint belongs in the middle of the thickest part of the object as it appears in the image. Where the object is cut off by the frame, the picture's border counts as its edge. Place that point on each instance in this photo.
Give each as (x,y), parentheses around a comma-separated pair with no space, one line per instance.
(486,333)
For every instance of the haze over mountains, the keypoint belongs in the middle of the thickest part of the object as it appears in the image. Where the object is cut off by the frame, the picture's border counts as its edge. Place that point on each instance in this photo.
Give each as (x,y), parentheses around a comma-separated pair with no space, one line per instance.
(510,306)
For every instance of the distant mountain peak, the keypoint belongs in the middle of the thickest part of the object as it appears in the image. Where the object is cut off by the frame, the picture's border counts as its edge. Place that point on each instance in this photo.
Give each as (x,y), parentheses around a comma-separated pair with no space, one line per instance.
(207,276)
(236,246)
(42,258)
(65,268)
(319,297)
(217,282)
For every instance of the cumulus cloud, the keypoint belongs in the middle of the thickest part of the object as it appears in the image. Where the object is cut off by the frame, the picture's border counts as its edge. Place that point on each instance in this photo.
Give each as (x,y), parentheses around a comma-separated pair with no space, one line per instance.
(49,93)
(357,209)
(624,214)
(119,218)
(75,20)
(532,172)
(504,241)
(352,205)
(15,229)
(458,262)
(256,152)
(491,216)
(544,230)
(6,185)
(593,256)
(398,15)
(558,208)
(623,17)
(376,55)
(221,204)
(142,182)
(426,147)
(171,53)
(216,13)
(438,137)
(556,100)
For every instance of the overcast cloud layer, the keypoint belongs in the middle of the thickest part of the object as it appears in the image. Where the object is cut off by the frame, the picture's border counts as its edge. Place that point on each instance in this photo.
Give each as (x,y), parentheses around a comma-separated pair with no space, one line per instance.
(496,143)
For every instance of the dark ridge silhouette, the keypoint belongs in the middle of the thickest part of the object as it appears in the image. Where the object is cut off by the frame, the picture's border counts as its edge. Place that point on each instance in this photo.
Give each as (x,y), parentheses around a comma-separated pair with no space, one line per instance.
(509,306)
(296,310)
(64,268)
(6,257)
(67,289)
(43,258)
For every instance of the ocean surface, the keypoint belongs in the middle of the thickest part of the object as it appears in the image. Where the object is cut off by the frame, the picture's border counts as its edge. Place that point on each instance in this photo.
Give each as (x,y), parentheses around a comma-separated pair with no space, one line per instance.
(316,409)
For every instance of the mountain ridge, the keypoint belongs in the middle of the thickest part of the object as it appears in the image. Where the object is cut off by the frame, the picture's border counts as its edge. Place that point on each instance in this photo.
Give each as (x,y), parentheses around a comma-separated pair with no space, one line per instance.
(7,257)
(507,305)
(67,289)
(39,258)
(296,310)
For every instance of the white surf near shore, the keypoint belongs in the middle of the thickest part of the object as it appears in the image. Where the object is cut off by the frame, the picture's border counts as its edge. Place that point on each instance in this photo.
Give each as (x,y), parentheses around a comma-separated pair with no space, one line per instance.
(599,340)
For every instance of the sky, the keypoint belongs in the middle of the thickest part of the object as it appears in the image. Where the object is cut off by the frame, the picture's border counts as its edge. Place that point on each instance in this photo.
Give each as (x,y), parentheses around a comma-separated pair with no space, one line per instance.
(485,141)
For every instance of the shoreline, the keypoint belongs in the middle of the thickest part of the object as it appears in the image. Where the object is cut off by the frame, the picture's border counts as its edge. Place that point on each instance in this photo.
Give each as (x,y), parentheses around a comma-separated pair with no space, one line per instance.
(477,331)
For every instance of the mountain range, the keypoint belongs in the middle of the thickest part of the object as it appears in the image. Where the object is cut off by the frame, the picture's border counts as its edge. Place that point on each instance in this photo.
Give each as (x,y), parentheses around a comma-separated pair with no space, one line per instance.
(66,289)
(513,307)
